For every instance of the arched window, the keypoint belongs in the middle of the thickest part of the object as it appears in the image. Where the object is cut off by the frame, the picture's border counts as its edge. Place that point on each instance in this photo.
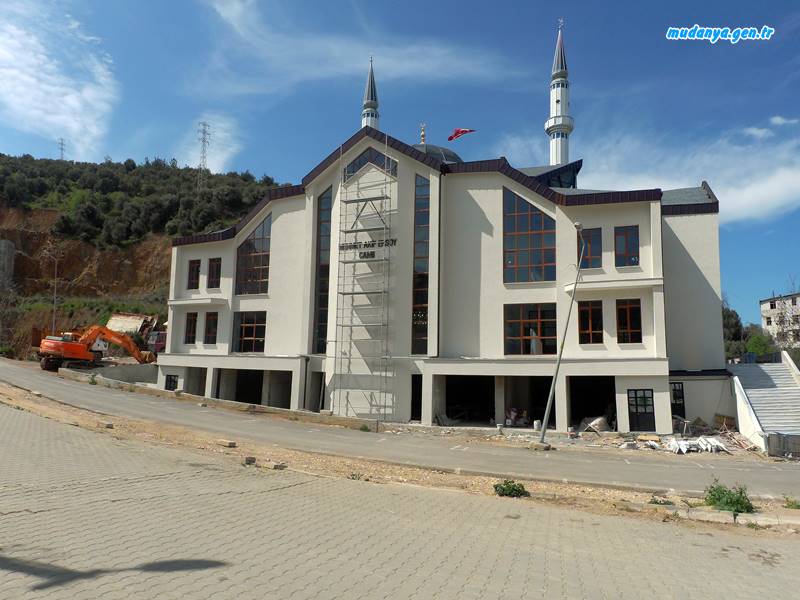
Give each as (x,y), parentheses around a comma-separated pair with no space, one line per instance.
(370,155)
(252,260)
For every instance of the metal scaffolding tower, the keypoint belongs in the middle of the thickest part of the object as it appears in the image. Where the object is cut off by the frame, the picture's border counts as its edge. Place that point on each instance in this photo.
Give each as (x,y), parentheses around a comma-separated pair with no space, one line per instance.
(363,366)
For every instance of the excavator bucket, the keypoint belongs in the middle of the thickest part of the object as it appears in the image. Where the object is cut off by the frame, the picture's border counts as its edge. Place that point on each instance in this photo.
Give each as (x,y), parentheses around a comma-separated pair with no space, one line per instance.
(147,356)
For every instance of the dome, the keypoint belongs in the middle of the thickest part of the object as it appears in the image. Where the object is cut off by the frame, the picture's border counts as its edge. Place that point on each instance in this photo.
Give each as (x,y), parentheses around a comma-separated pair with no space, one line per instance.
(439,153)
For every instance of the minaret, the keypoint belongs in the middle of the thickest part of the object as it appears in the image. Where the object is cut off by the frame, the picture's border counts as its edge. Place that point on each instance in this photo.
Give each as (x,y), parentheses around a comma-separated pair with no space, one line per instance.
(560,125)
(369,113)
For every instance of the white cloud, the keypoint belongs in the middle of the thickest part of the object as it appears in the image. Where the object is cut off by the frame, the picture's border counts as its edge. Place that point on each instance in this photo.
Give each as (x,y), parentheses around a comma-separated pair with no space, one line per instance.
(779,120)
(55,81)
(759,133)
(291,54)
(751,181)
(225,142)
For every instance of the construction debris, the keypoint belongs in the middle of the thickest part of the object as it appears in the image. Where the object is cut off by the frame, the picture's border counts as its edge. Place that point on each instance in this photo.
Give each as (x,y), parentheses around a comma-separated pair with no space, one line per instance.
(227,443)
(629,446)
(700,444)
(595,424)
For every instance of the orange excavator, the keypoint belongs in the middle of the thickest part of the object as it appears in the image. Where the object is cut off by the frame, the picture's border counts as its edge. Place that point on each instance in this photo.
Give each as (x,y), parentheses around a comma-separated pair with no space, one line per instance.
(76,349)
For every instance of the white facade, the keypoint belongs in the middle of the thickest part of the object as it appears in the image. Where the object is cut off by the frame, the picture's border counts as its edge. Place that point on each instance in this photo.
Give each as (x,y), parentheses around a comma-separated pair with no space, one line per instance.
(405,284)
(780,317)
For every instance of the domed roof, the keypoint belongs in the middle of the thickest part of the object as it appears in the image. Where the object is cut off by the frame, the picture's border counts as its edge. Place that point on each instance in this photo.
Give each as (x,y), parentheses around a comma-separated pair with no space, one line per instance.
(440,153)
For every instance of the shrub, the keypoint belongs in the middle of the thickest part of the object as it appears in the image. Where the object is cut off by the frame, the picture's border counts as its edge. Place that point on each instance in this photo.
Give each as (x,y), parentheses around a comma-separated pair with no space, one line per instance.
(722,497)
(789,502)
(511,488)
(93,379)
(364,428)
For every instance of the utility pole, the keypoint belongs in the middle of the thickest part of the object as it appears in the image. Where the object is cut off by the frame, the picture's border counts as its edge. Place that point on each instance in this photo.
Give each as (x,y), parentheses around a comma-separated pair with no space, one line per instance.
(55,254)
(204,137)
(579,229)
(61,145)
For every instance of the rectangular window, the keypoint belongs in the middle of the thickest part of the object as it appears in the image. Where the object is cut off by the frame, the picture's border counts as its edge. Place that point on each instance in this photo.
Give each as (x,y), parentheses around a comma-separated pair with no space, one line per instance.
(629,321)
(210,331)
(593,248)
(193,281)
(419,293)
(530,328)
(529,241)
(249,330)
(214,273)
(772,305)
(626,246)
(641,413)
(794,301)
(590,322)
(171,383)
(190,333)
(324,204)
(678,406)
(769,320)
(252,260)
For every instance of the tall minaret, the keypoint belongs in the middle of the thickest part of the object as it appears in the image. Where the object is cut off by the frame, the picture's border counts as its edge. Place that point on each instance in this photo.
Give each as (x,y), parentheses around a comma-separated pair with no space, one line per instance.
(369,113)
(560,125)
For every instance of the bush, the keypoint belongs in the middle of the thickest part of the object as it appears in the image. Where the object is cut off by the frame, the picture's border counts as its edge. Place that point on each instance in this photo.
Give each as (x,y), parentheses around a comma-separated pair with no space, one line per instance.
(364,428)
(510,488)
(722,497)
(789,502)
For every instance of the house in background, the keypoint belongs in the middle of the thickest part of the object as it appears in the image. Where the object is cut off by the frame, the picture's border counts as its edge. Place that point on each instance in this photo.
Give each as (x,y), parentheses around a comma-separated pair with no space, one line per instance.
(402,283)
(780,317)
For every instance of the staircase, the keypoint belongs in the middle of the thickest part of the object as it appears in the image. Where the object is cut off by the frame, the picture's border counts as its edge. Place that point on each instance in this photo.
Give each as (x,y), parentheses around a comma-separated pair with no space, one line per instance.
(773,393)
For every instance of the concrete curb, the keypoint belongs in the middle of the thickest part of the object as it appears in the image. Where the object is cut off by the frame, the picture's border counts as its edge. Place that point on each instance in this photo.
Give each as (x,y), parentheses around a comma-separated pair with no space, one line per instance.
(292,415)
(710,515)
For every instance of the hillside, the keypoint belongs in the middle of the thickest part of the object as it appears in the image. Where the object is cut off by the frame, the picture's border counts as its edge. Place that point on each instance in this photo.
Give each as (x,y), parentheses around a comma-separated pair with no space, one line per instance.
(110,224)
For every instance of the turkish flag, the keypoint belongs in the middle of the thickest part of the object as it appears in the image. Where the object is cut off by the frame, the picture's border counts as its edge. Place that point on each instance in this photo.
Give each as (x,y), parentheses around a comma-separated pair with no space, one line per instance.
(457,133)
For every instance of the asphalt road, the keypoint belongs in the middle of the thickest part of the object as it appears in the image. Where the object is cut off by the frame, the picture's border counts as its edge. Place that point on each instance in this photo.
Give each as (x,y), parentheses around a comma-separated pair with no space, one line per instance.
(638,469)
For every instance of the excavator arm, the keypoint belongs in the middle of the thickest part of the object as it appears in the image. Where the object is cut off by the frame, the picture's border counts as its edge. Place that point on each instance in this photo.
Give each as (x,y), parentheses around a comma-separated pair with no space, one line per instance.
(115,337)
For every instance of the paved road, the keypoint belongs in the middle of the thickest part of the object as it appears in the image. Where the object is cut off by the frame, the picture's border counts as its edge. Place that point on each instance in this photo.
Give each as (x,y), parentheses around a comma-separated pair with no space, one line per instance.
(84,516)
(637,468)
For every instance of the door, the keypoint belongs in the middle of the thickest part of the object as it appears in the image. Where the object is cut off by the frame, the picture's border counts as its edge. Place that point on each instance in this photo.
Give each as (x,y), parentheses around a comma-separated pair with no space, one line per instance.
(641,413)
(416,397)
(248,386)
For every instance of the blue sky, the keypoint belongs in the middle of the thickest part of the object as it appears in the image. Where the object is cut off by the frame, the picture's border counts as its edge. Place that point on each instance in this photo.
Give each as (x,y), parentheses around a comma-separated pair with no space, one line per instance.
(281,84)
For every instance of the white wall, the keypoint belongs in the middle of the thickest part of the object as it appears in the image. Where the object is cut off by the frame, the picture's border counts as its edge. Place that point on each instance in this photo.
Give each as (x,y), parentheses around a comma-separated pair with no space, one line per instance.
(692,292)
(705,397)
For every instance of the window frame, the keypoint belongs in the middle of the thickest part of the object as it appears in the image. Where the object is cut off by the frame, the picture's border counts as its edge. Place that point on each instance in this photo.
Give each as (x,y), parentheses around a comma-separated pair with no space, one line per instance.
(676,387)
(420,287)
(594,250)
(193,274)
(523,243)
(589,335)
(371,156)
(252,267)
(211,325)
(240,327)
(627,334)
(190,328)
(171,382)
(214,273)
(524,325)
(624,257)
(322,281)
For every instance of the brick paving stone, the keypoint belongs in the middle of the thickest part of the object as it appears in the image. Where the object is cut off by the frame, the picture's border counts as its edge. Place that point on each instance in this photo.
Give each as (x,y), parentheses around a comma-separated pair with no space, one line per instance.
(85,516)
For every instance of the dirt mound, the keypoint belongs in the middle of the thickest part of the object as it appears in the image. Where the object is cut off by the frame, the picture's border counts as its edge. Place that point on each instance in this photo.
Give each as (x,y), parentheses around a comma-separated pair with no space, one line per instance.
(84,269)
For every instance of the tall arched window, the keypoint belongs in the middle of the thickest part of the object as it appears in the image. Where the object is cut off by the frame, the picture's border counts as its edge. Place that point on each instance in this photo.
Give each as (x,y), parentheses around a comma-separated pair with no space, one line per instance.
(252,260)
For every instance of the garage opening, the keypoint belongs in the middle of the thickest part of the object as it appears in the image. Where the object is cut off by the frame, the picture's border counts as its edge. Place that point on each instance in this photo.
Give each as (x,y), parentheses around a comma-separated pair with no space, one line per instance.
(248,386)
(195,382)
(469,400)
(279,392)
(591,397)
(526,401)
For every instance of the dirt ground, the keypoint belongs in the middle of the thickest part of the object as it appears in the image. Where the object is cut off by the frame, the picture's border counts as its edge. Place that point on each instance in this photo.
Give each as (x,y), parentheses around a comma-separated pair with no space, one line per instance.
(586,498)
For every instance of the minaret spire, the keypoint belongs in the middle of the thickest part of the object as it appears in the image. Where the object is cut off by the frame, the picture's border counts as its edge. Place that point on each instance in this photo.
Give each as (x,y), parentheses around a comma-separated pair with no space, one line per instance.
(560,124)
(369,111)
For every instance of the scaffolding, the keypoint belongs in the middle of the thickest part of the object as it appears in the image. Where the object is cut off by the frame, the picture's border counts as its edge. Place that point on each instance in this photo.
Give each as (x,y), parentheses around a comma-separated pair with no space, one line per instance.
(363,366)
